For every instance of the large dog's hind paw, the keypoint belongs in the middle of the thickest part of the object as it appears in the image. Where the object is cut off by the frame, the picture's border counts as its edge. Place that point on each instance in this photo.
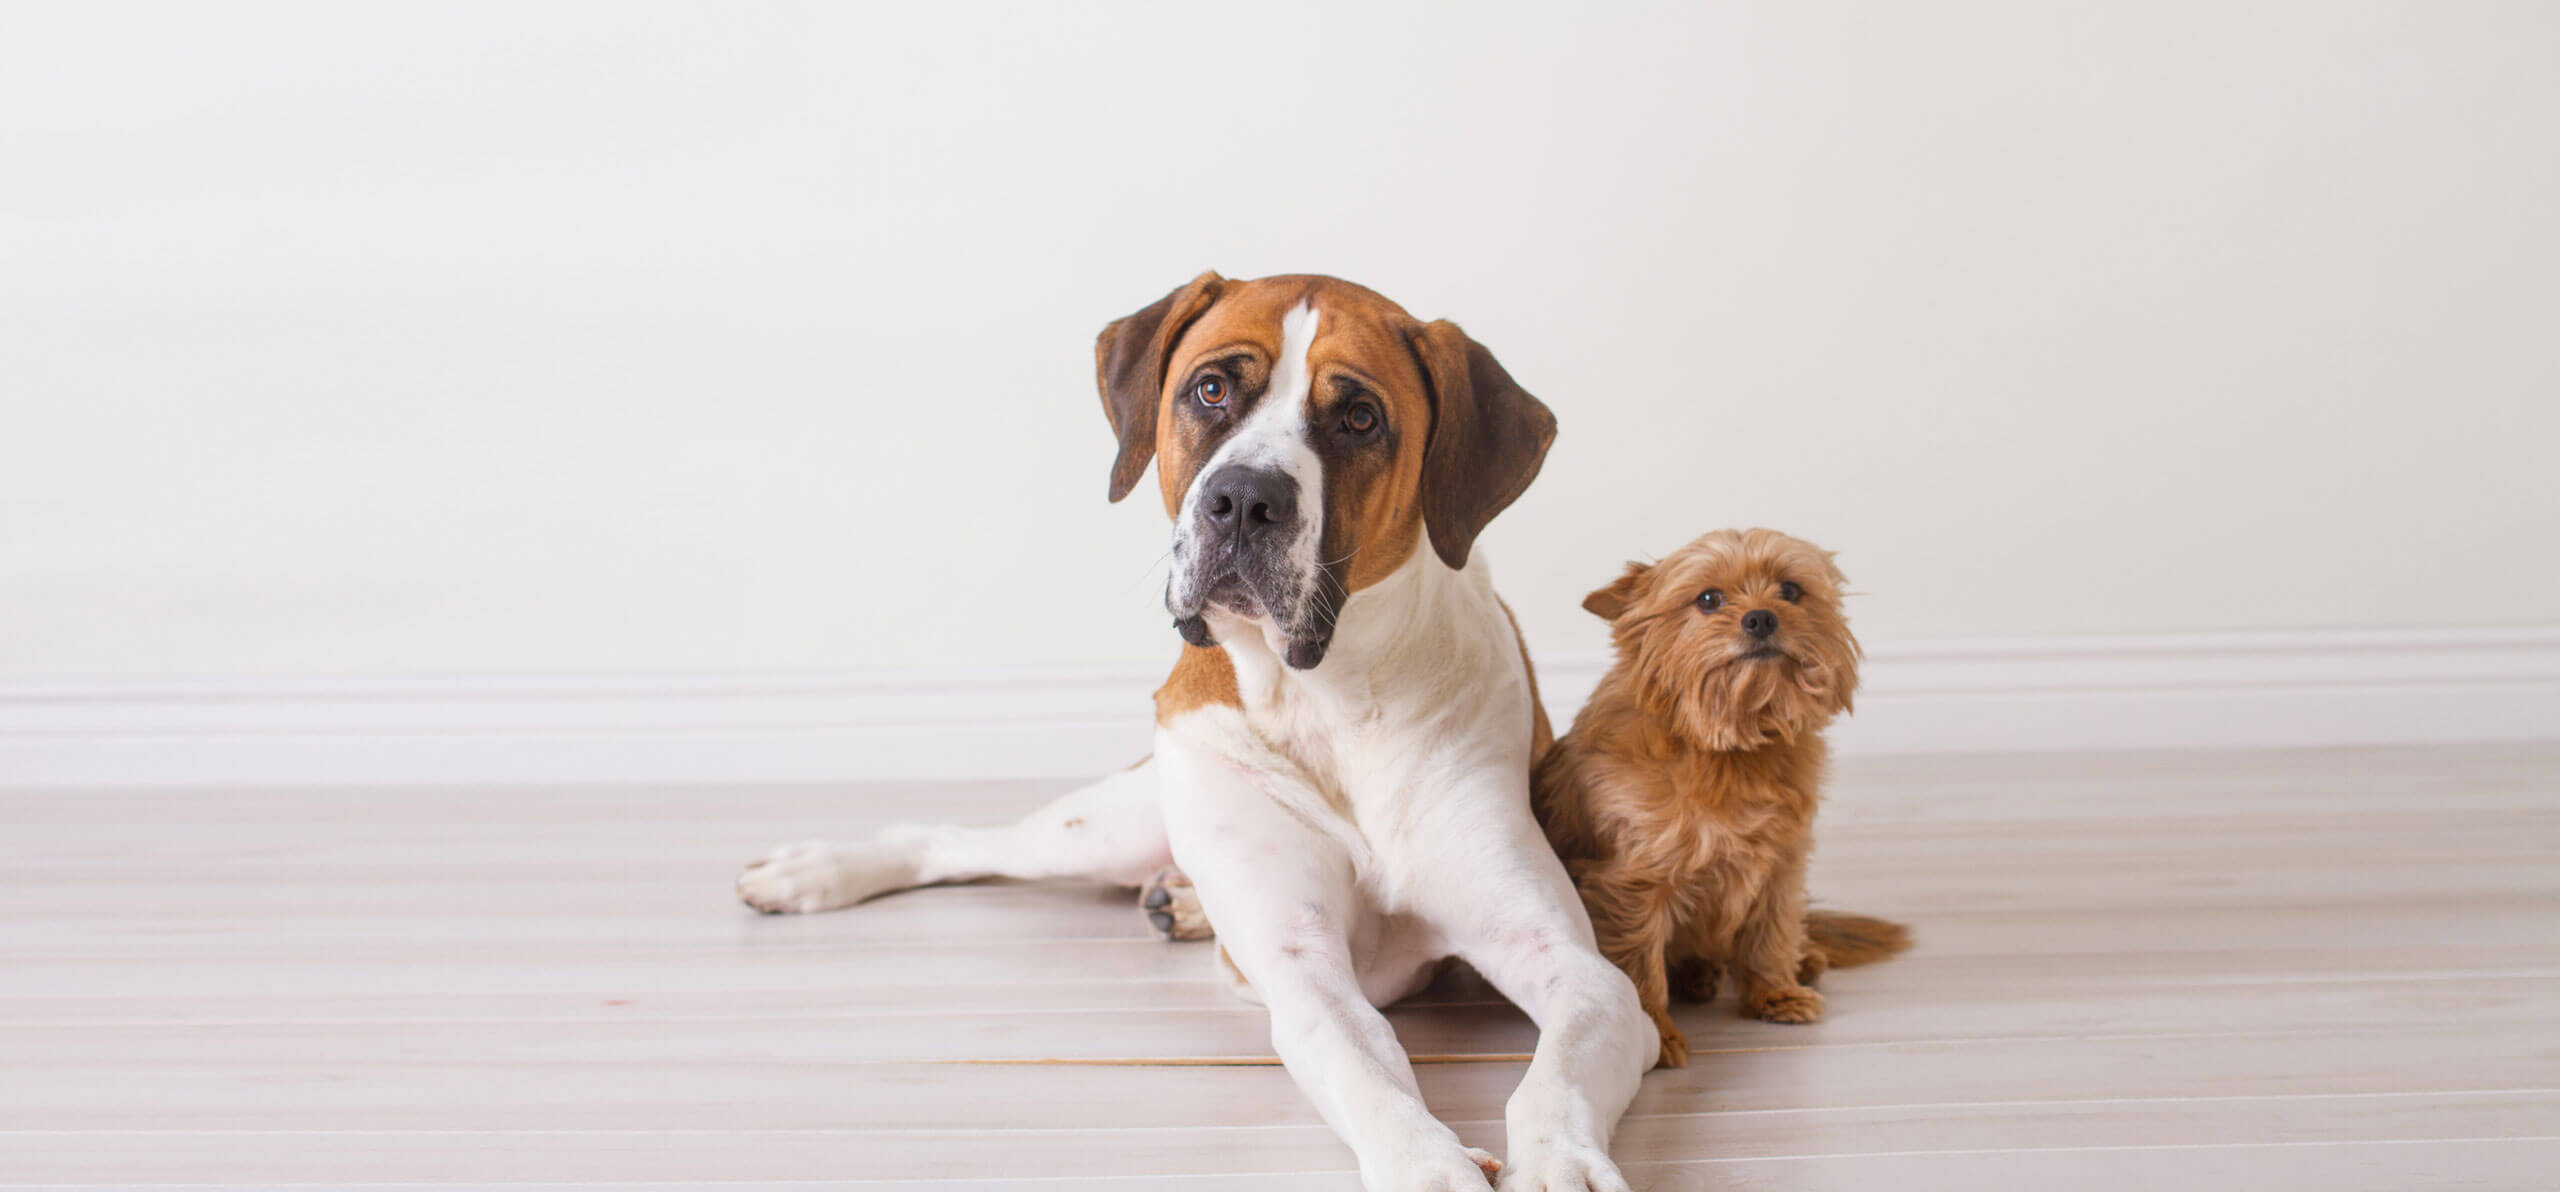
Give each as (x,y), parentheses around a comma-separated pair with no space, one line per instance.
(817,876)
(1173,907)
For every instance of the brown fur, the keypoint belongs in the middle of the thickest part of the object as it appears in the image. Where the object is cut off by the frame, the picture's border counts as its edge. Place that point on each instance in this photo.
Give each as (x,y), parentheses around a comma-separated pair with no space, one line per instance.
(1542,736)
(1202,676)
(1683,798)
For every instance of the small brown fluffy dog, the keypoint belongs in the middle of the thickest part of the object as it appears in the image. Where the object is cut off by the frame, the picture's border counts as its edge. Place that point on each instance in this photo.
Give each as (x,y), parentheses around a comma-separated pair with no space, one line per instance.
(1683,799)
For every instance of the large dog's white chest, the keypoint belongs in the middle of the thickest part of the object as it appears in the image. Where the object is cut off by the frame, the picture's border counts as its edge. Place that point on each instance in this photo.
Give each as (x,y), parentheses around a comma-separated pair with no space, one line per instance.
(1426,681)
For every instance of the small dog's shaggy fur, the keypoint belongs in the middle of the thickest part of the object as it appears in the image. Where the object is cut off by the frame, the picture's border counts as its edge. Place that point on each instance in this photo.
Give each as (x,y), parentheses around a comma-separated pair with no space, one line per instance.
(1683,798)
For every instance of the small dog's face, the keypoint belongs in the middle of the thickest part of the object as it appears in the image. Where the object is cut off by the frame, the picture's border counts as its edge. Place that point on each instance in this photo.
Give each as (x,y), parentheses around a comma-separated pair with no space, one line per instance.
(1738,637)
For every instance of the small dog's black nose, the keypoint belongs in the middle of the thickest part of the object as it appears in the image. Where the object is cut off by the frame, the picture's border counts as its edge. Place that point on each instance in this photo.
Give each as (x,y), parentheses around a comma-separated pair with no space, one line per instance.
(1759,622)
(1247,501)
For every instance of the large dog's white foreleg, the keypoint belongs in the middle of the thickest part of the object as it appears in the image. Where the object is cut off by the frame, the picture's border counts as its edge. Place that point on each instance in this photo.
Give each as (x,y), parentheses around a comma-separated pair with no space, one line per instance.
(1111,831)
(1283,895)
(1512,913)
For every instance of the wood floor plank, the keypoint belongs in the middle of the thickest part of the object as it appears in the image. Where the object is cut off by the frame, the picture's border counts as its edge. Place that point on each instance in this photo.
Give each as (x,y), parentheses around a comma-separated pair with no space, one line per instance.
(1865,1011)
(481,1084)
(929,940)
(360,993)
(2511,1165)
(2495,1165)
(1932,789)
(117,876)
(709,1155)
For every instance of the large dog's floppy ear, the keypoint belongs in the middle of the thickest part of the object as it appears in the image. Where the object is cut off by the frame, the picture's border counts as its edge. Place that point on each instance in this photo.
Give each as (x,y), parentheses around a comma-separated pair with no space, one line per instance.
(1612,602)
(1128,366)
(1488,437)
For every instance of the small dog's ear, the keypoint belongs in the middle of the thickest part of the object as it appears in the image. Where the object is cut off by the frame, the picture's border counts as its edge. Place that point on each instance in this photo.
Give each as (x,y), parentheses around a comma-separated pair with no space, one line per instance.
(1831,566)
(1488,437)
(1128,366)
(1612,602)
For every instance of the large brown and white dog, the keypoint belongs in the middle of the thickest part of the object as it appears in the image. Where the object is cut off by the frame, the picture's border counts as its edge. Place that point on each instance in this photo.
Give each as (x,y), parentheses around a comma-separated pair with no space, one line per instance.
(1343,750)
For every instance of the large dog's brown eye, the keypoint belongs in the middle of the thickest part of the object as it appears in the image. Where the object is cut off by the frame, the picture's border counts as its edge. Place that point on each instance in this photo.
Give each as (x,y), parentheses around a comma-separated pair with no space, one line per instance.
(1210,390)
(1711,600)
(1791,592)
(1360,419)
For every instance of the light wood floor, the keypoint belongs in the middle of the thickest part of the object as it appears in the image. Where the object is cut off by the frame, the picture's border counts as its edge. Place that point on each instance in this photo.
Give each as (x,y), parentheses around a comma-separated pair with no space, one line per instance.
(2334,970)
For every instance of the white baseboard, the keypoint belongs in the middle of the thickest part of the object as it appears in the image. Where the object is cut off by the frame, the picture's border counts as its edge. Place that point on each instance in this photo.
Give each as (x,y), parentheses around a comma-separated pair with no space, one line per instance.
(2260,690)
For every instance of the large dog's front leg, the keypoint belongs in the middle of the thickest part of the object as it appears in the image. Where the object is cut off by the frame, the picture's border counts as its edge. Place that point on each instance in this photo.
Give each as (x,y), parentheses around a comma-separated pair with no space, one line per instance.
(1283,896)
(1514,915)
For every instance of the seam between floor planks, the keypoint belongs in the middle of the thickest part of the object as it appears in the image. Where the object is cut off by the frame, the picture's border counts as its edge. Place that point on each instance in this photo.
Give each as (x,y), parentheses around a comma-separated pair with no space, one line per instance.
(1641,1166)
(1522,1058)
(963,1131)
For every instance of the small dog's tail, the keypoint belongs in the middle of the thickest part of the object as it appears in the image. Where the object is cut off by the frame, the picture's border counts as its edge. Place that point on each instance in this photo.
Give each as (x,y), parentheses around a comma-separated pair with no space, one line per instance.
(1846,939)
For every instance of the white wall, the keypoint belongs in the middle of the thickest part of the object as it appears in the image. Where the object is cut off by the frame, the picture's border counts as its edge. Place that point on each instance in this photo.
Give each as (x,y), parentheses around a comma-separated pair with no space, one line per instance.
(372,339)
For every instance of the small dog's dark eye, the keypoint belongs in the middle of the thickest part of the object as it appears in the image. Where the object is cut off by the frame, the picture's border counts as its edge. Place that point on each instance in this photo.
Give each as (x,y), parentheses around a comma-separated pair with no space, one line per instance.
(1711,600)
(1791,592)
(1210,390)
(1360,419)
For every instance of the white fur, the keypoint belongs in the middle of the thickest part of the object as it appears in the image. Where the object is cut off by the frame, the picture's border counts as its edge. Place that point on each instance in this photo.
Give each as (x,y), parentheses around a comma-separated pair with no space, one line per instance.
(1274,435)
(1346,828)
(1109,831)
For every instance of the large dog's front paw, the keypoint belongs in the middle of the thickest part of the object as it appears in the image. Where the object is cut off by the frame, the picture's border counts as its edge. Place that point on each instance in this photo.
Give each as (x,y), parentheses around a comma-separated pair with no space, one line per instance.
(817,876)
(1561,1167)
(1434,1168)
(1173,907)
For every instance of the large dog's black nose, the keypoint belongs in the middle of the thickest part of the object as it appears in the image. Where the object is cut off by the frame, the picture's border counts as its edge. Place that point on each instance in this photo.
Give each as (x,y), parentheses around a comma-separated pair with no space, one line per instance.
(1759,622)
(1246,502)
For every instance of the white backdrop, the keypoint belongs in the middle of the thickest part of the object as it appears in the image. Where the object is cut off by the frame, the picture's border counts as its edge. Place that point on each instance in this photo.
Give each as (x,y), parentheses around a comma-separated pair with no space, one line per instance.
(373,339)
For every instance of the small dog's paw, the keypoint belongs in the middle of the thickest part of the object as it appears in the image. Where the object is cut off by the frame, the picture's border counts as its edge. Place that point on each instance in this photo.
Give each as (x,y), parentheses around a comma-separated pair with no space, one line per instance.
(1173,907)
(1795,1004)
(817,876)
(1675,1047)
(1811,968)
(1571,1167)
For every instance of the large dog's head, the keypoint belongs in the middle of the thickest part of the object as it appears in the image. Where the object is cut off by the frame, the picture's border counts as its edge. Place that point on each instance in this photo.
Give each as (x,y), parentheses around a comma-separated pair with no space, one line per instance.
(1310,437)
